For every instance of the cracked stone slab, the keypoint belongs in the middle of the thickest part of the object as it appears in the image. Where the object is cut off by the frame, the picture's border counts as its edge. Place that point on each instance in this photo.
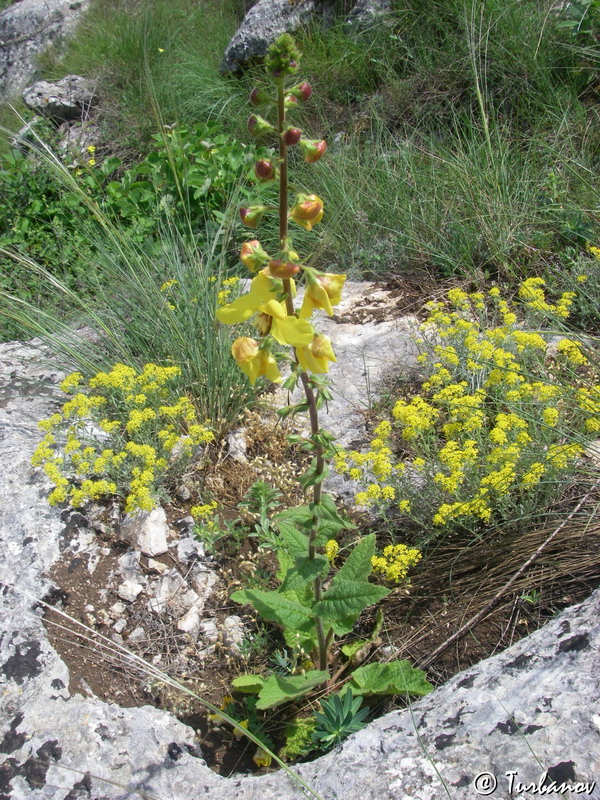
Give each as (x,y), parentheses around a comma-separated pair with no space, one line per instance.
(26,28)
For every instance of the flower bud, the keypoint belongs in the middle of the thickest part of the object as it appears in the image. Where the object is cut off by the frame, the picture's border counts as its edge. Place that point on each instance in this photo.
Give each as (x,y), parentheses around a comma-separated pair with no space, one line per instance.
(291,136)
(259,126)
(252,216)
(283,269)
(307,211)
(258,97)
(289,101)
(302,91)
(312,149)
(264,170)
(253,256)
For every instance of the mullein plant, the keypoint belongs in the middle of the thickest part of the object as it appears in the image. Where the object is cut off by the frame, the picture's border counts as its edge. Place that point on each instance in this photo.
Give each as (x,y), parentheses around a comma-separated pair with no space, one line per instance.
(310,614)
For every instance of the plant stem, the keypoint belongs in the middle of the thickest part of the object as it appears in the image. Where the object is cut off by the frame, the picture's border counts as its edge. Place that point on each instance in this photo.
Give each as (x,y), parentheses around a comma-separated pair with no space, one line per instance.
(308,390)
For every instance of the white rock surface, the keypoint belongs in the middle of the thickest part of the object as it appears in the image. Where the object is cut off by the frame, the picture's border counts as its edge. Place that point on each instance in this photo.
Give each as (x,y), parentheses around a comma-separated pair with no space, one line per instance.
(26,28)
(146,530)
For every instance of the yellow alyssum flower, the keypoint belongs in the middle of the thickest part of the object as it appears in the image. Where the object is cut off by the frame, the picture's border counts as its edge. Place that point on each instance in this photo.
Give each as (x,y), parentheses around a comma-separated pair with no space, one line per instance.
(71,382)
(316,356)
(395,562)
(533,475)
(254,361)
(550,416)
(322,291)
(572,351)
(331,550)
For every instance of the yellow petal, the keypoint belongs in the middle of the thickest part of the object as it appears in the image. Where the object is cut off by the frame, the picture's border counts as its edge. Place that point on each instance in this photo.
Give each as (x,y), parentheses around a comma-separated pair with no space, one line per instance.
(292,331)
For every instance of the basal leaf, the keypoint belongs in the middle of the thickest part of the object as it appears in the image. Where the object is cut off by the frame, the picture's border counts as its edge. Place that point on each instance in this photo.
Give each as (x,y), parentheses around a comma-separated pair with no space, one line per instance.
(278,689)
(395,677)
(350,650)
(274,607)
(249,684)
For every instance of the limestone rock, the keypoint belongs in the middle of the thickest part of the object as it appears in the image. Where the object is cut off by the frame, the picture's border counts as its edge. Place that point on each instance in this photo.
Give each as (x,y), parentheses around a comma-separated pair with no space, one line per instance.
(26,28)
(77,137)
(366,12)
(263,23)
(238,446)
(268,19)
(146,530)
(130,589)
(69,98)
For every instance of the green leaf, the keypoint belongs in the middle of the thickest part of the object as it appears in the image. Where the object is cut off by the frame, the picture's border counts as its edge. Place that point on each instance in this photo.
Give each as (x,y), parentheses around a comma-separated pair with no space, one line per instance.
(326,510)
(304,571)
(248,684)
(343,602)
(275,607)
(302,517)
(395,677)
(357,566)
(350,650)
(278,689)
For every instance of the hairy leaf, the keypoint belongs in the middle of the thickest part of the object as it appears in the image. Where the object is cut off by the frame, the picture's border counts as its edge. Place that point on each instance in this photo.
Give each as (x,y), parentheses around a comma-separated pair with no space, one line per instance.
(395,677)
(304,571)
(278,689)
(249,684)
(357,566)
(343,602)
(275,607)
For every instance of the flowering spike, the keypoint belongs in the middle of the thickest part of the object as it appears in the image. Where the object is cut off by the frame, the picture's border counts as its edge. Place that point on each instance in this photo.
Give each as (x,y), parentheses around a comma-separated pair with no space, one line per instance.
(283,269)
(282,57)
(258,97)
(253,256)
(307,211)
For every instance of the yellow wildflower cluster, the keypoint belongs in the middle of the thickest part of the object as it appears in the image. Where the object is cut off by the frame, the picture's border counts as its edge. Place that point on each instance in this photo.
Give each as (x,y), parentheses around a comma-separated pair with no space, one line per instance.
(114,434)
(395,562)
(494,422)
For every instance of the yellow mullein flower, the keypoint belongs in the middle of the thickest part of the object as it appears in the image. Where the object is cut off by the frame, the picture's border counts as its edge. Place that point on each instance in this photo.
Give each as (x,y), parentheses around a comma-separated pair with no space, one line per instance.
(254,361)
(323,291)
(261,758)
(316,356)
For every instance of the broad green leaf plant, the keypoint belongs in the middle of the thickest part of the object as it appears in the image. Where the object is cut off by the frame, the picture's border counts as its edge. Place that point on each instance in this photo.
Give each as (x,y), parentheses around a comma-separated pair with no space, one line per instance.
(314,602)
